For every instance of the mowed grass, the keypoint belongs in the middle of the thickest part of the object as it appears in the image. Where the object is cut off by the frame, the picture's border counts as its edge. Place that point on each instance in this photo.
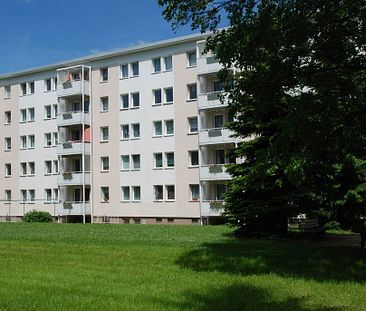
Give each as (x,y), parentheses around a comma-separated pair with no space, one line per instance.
(141,267)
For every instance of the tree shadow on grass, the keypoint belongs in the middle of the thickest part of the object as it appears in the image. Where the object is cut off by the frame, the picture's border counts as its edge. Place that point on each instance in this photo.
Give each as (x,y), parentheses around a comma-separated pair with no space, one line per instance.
(317,261)
(239,297)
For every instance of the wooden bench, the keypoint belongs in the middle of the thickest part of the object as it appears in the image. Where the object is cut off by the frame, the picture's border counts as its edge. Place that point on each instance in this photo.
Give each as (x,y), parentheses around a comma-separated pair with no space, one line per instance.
(311,227)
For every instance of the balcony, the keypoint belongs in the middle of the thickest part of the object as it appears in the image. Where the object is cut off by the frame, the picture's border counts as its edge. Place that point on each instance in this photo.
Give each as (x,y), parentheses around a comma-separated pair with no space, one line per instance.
(73,147)
(73,87)
(210,100)
(73,208)
(73,118)
(216,136)
(73,179)
(212,208)
(208,64)
(214,172)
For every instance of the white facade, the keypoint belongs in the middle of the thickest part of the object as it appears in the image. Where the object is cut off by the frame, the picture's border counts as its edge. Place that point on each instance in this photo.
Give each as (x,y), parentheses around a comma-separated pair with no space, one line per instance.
(132,136)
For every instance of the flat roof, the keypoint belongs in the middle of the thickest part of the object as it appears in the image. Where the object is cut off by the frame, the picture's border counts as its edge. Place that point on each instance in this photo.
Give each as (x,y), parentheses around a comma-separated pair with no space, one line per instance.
(104,55)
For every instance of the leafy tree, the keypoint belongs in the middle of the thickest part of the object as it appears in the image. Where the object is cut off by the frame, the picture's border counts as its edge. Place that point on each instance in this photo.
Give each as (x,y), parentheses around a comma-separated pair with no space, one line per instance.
(299,96)
(37,216)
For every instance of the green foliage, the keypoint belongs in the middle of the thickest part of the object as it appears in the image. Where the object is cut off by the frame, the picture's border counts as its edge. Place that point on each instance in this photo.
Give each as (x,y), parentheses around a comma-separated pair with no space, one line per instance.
(299,89)
(332,225)
(37,216)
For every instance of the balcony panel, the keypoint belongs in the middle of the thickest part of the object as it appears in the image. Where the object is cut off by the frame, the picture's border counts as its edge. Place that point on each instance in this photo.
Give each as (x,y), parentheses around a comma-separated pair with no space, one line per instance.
(216,136)
(214,172)
(69,148)
(73,208)
(72,179)
(208,64)
(211,208)
(73,118)
(73,88)
(210,100)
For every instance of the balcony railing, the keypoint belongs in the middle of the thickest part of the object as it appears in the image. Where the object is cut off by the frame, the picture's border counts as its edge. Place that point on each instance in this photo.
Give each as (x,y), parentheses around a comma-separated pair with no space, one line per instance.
(208,64)
(73,87)
(73,118)
(215,136)
(68,178)
(212,207)
(210,100)
(73,208)
(214,172)
(73,147)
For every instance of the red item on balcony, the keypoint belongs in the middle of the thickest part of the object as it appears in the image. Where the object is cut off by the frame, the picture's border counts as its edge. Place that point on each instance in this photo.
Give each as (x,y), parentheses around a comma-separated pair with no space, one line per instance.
(87,135)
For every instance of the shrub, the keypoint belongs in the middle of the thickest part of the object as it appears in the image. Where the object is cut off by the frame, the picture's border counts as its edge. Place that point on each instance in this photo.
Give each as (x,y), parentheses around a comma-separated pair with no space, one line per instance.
(37,216)
(332,225)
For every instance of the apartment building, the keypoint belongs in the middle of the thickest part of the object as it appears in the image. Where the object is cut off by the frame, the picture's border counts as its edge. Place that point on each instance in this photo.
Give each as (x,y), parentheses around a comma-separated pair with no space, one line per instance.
(130,136)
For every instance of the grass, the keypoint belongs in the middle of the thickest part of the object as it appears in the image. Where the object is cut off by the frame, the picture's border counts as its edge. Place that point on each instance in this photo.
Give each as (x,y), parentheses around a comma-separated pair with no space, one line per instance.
(141,267)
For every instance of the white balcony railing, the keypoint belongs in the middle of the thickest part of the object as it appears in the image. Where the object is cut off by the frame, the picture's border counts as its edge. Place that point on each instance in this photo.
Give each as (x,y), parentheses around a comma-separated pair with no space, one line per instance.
(73,87)
(214,172)
(208,64)
(212,207)
(210,100)
(73,178)
(73,208)
(73,118)
(215,136)
(73,147)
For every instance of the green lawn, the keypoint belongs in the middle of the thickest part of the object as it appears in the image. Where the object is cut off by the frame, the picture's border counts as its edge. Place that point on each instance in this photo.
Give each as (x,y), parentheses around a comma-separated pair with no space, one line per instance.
(141,267)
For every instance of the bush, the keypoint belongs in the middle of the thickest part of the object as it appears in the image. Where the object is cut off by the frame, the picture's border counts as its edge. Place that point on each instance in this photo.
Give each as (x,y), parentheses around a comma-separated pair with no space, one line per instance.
(37,216)
(332,225)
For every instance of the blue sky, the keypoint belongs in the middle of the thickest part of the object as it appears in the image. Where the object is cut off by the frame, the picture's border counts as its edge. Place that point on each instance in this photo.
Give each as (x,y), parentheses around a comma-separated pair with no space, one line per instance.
(41,32)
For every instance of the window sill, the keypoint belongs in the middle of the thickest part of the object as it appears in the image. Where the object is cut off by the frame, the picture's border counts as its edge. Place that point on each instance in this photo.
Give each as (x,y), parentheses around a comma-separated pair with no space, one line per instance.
(104,201)
(135,170)
(124,139)
(48,174)
(158,201)
(135,138)
(156,72)
(194,201)
(123,109)
(7,123)
(104,141)
(124,170)
(192,133)
(168,135)
(134,76)
(32,175)
(167,70)
(136,201)
(158,168)
(45,119)
(156,105)
(157,136)
(192,66)
(169,201)
(47,146)
(125,201)
(103,111)
(170,168)
(104,171)
(103,81)
(136,107)
(193,166)
(7,176)
(7,150)
(123,78)
(168,103)
(189,100)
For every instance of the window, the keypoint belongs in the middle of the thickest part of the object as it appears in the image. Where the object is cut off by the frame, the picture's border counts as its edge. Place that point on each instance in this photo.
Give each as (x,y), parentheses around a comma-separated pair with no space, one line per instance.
(55,195)
(193,158)
(136,190)
(158,193)
(136,161)
(48,195)
(193,126)
(135,100)
(219,121)
(54,88)
(23,196)
(54,111)
(170,192)
(7,89)
(7,143)
(124,101)
(48,139)
(31,87)
(157,96)
(23,168)
(23,89)
(48,167)
(156,62)
(55,138)
(158,160)
(136,130)
(135,69)
(169,159)
(104,103)
(220,156)
(7,169)
(105,194)
(220,191)
(23,115)
(7,117)
(104,74)
(124,71)
(195,192)
(32,195)
(192,91)
(158,128)
(192,59)
(31,114)
(104,134)
(104,163)
(125,131)
(47,85)
(168,95)
(218,86)
(32,168)
(168,63)
(125,193)
(7,195)
(23,142)
(47,112)
(31,141)
(55,166)
(125,160)
(169,127)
